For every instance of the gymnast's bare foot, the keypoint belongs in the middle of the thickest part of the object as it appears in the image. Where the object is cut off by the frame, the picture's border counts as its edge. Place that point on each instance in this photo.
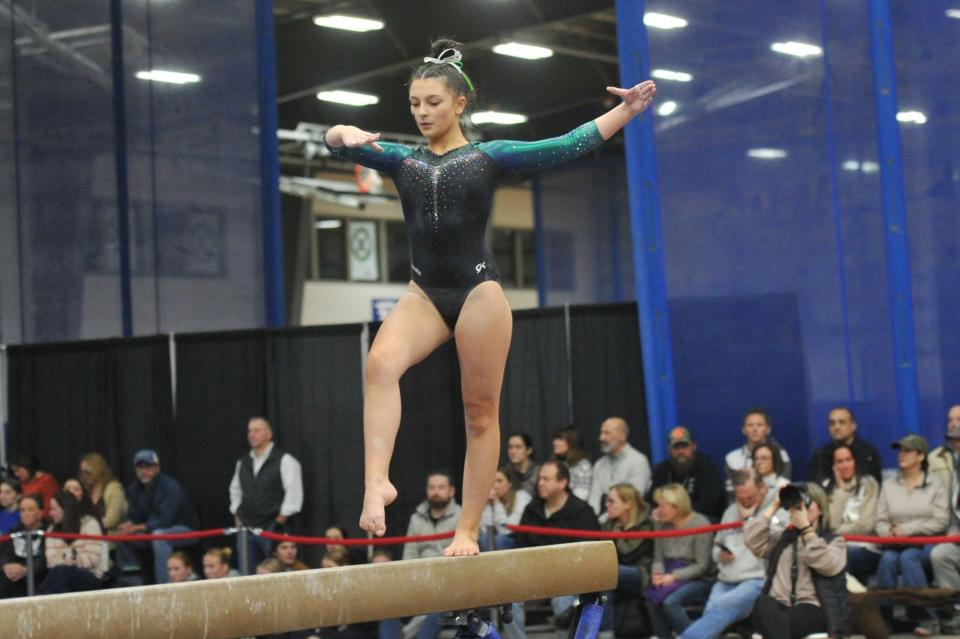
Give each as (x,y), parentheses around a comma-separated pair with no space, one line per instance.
(377,496)
(463,544)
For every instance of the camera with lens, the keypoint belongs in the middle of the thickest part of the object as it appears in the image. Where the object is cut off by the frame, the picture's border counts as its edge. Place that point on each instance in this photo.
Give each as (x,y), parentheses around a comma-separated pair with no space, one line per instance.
(794,495)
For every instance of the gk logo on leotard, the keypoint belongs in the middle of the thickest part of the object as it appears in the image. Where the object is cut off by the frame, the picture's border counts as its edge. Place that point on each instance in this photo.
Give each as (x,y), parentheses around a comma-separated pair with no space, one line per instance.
(481,266)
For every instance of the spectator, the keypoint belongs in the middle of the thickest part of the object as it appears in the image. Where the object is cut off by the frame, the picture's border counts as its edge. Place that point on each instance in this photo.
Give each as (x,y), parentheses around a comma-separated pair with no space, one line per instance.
(694,471)
(843,430)
(504,509)
(25,467)
(269,566)
(13,552)
(944,459)
(266,489)
(9,504)
(681,565)
(437,514)
(853,510)
(216,563)
(286,552)
(335,559)
(741,573)
(355,553)
(621,463)
(75,488)
(768,462)
(914,503)
(945,558)
(805,591)
(628,512)
(180,568)
(105,492)
(522,469)
(381,556)
(568,448)
(73,566)
(156,504)
(756,430)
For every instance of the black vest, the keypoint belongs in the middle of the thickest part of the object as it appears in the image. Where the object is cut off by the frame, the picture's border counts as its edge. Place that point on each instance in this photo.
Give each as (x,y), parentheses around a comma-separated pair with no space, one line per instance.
(831,591)
(263,493)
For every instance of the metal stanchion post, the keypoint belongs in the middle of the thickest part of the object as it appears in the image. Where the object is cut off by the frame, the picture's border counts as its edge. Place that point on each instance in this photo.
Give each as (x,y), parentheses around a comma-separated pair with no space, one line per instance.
(31,587)
(244,550)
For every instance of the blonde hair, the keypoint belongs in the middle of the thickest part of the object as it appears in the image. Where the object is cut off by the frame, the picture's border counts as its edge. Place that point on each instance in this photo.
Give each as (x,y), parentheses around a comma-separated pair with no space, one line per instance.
(675,495)
(100,472)
(630,494)
(271,564)
(182,557)
(223,555)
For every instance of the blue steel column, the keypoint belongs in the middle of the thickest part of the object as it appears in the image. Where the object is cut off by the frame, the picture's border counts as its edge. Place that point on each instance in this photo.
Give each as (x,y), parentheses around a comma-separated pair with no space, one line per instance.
(269,166)
(120,159)
(894,214)
(646,234)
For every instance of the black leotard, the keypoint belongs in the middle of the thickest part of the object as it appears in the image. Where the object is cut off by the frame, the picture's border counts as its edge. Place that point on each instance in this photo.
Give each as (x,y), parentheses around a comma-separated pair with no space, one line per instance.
(447,199)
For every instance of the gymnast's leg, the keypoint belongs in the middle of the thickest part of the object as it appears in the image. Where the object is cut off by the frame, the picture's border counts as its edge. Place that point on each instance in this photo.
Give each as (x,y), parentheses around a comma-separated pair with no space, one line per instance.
(483,338)
(412,330)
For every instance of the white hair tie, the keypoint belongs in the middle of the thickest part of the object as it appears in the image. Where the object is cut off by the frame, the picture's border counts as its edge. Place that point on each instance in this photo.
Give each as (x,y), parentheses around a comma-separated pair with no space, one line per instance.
(455,59)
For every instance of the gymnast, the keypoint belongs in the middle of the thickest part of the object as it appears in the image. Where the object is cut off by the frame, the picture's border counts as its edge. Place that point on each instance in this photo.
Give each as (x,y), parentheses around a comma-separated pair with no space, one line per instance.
(446,190)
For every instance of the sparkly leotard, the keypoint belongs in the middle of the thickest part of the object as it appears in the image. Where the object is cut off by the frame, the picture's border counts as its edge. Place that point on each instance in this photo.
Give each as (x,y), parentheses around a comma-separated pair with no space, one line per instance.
(447,199)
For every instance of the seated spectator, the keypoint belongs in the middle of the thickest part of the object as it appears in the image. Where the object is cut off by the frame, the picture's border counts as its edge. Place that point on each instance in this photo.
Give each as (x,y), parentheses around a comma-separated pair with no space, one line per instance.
(73,566)
(568,448)
(26,468)
(105,492)
(628,512)
(620,463)
(381,556)
(216,563)
(946,557)
(157,504)
(505,508)
(522,469)
(13,552)
(741,573)
(180,568)
(269,566)
(843,430)
(357,554)
(769,465)
(806,590)
(286,552)
(694,471)
(944,459)
(334,559)
(75,488)
(681,565)
(9,504)
(757,427)
(853,510)
(914,503)
(437,514)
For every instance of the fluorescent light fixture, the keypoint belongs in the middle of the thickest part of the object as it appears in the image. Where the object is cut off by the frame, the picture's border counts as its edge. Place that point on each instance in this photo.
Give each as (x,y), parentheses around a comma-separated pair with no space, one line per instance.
(912,117)
(348,23)
(869,167)
(663,21)
(953,13)
(667,74)
(798,49)
(348,97)
(170,77)
(525,51)
(497,117)
(851,165)
(325,225)
(666,108)
(767,154)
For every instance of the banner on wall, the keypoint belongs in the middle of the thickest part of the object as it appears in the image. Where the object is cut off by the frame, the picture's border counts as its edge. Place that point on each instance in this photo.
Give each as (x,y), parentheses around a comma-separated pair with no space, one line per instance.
(362,238)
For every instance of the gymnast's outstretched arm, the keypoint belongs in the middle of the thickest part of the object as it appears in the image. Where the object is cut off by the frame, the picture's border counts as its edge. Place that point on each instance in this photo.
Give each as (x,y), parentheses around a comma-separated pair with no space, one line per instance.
(364,148)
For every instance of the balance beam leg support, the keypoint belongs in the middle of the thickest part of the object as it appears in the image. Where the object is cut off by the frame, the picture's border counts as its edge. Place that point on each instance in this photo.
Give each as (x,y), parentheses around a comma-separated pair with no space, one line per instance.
(269,604)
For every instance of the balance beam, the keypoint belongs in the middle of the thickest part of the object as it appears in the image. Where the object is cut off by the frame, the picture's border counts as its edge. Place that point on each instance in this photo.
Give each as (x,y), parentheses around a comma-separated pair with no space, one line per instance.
(268,604)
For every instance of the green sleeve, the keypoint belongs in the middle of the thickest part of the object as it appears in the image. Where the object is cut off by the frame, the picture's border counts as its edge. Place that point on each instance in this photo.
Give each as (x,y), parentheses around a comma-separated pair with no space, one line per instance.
(386,161)
(513,155)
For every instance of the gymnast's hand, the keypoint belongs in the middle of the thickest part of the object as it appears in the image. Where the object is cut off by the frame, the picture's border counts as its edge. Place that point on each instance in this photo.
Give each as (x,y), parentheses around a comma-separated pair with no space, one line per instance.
(636,98)
(352,137)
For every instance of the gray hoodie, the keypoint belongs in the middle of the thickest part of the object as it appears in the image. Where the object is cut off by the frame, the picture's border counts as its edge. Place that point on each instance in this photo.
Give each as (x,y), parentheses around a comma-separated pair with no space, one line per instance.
(422,524)
(745,564)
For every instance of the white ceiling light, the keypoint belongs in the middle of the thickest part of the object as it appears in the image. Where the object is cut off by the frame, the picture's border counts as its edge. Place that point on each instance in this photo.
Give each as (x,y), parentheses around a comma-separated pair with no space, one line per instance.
(851,165)
(667,74)
(497,117)
(798,49)
(666,108)
(348,97)
(767,154)
(912,117)
(526,51)
(663,21)
(170,77)
(347,23)
(953,13)
(869,167)
(325,225)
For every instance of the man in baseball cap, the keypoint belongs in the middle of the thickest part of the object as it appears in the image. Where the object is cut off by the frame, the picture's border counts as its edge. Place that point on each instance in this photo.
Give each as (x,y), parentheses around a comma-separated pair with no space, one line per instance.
(694,471)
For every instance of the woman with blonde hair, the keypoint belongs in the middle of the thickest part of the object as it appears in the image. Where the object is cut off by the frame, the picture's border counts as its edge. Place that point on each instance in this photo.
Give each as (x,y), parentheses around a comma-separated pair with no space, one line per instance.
(216,563)
(103,490)
(680,564)
(628,512)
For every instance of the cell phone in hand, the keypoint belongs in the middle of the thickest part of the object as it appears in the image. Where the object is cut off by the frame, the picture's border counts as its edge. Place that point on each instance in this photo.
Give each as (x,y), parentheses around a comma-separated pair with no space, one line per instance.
(724,548)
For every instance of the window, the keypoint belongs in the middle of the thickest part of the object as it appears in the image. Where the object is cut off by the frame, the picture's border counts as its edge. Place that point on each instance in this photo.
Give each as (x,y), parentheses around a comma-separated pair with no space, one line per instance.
(331,249)
(398,252)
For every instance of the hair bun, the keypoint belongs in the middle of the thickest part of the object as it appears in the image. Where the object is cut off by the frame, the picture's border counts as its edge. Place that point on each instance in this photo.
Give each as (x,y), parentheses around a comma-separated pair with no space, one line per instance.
(439,46)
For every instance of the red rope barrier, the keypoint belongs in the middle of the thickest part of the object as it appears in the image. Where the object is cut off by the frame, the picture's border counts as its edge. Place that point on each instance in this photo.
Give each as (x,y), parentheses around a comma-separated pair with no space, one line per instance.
(607,534)
(376,541)
(197,534)
(905,541)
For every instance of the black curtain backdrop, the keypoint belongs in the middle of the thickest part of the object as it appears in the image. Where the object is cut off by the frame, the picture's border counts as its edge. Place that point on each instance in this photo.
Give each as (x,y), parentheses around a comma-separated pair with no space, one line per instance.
(110,396)
(607,372)
(115,397)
